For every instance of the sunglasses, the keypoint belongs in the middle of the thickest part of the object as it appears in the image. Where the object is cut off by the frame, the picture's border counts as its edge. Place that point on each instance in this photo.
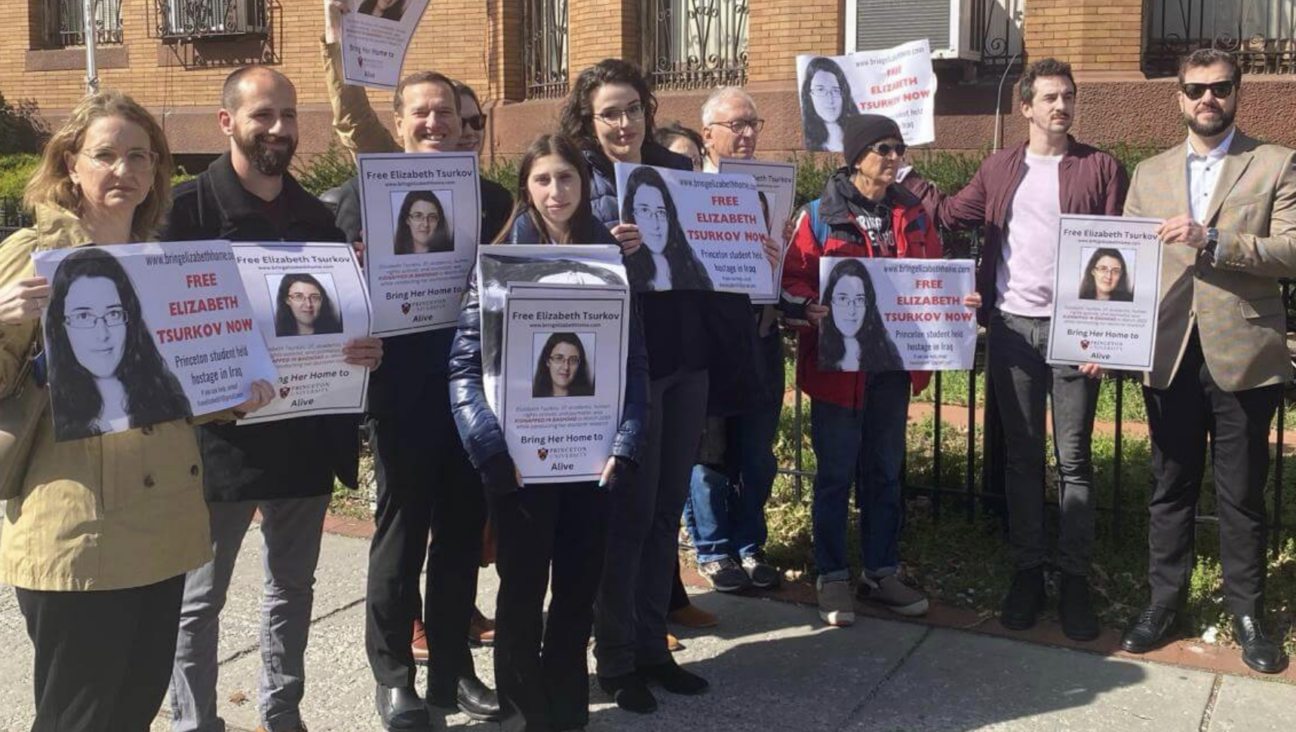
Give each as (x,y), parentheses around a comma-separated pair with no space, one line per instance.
(885,149)
(477,122)
(1219,89)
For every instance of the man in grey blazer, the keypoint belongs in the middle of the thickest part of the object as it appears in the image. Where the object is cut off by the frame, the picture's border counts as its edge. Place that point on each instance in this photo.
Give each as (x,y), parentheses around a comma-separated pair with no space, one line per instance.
(1229,204)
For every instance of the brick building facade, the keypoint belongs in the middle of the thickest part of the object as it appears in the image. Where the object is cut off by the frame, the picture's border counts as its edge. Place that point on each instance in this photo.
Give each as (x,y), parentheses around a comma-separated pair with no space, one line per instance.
(1121,51)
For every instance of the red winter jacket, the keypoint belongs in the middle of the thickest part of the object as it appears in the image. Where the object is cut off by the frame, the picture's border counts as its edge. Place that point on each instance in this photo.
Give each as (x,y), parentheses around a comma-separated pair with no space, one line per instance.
(916,238)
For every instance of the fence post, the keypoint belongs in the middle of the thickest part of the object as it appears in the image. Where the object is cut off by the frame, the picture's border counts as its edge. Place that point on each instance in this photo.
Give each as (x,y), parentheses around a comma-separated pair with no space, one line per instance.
(970,465)
(1119,460)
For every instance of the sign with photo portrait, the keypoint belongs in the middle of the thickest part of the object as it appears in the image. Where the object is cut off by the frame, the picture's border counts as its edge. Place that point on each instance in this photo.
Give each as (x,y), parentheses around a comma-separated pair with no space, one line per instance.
(375,36)
(776,186)
(123,355)
(896,314)
(421,214)
(1106,292)
(701,231)
(309,300)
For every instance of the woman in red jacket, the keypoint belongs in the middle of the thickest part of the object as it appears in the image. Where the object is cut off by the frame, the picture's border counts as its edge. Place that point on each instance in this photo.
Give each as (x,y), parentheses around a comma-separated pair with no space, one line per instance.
(862,213)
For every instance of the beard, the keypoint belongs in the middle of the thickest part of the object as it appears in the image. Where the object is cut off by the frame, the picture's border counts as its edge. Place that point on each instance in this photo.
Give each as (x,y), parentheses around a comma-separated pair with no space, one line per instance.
(1210,129)
(267,160)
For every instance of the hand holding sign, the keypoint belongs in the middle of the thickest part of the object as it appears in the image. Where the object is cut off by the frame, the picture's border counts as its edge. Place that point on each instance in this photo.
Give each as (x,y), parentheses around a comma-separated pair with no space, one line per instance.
(23,300)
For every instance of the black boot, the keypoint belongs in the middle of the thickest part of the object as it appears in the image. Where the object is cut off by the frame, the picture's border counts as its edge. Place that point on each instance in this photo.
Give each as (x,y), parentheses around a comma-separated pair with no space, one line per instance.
(674,678)
(1078,620)
(630,692)
(1025,599)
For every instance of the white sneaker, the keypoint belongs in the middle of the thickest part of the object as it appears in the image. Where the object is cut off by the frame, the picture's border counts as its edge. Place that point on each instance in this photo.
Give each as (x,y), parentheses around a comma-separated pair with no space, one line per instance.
(836,607)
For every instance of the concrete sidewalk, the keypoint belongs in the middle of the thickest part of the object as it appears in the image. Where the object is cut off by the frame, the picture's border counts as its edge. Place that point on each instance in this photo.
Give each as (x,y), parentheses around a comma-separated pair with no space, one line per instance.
(773,666)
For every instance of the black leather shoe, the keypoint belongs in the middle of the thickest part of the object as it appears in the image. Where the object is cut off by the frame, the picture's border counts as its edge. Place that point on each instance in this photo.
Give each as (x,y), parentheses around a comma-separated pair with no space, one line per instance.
(1153,628)
(471,697)
(673,678)
(1076,608)
(1258,652)
(1024,601)
(401,709)
(630,692)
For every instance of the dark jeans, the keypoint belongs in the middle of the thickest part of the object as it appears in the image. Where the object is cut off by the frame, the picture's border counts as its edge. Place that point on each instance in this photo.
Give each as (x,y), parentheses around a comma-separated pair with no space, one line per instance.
(1023,384)
(865,447)
(1180,419)
(643,538)
(103,659)
(426,485)
(725,514)
(540,664)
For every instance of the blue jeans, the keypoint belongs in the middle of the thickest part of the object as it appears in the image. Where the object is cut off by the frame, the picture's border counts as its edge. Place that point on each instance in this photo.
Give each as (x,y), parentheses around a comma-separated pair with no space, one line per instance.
(865,447)
(726,511)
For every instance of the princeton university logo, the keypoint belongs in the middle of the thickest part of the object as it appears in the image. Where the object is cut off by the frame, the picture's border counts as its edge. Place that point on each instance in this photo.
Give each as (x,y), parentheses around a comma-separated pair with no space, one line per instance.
(542,453)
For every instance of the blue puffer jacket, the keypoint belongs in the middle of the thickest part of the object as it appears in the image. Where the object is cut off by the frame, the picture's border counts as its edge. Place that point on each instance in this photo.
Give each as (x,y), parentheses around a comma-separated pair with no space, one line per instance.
(482,435)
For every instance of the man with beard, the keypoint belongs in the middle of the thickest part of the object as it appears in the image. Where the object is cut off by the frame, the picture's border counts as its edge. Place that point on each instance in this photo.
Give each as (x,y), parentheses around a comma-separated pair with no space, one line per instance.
(284,469)
(1019,195)
(430,500)
(1220,360)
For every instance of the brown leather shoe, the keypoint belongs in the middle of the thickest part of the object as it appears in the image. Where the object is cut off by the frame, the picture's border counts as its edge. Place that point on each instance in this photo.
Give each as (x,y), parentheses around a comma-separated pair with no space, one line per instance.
(692,616)
(419,645)
(673,644)
(481,630)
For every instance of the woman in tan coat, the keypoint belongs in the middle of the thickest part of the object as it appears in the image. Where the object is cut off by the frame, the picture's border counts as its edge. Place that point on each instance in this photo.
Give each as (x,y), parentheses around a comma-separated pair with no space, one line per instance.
(105,527)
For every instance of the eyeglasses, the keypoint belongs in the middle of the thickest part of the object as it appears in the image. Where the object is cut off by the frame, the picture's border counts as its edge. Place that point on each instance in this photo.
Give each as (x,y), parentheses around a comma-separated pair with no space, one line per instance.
(1105,271)
(299,298)
(419,218)
(826,91)
(571,361)
(646,212)
(740,126)
(85,320)
(477,122)
(885,149)
(633,113)
(1219,89)
(859,302)
(138,161)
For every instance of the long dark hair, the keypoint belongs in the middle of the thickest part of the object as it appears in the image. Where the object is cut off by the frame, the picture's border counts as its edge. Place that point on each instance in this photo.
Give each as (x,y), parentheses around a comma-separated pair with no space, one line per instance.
(1089,288)
(582,229)
(816,131)
(582,383)
(442,238)
(685,269)
(393,11)
(875,345)
(153,393)
(577,118)
(328,320)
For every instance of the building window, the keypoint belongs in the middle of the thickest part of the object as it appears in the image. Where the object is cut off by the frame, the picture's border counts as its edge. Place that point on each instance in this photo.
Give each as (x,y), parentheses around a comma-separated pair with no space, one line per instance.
(985,35)
(1262,33)
(695,44)
(190,19)
(545,48)
(65,22)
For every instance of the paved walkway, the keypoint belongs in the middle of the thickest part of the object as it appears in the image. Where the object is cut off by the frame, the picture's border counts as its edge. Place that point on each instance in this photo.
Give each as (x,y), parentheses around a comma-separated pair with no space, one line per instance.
(773,666)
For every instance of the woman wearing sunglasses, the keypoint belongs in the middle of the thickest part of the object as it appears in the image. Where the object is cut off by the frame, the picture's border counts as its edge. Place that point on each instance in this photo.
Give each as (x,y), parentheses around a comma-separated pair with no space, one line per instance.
(473,133)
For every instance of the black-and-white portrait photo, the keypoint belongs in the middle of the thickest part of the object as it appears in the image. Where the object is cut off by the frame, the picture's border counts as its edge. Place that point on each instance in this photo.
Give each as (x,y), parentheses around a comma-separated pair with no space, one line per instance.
(853,336)
(392,10)
(305,304)
(826,103)
(564,365)
(665,261)
(1108,274)
(424,222)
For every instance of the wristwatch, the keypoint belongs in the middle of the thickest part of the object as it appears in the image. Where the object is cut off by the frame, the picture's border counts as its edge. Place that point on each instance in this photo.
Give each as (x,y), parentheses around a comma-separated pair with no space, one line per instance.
(1212,241)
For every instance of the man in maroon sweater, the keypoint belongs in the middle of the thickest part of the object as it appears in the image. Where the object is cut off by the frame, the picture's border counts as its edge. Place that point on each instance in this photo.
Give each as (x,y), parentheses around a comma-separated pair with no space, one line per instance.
(1018,195)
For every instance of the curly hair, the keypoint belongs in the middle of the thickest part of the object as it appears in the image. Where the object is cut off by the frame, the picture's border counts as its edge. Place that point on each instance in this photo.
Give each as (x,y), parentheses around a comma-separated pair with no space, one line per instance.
(577,117)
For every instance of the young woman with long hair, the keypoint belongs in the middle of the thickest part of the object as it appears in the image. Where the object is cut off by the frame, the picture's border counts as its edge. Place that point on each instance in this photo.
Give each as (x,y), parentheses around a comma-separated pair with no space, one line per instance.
(303,307)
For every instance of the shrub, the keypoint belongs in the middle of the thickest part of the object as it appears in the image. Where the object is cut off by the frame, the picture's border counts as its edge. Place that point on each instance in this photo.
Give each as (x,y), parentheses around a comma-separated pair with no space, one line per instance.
(329,169)
(15,170)
(21,128)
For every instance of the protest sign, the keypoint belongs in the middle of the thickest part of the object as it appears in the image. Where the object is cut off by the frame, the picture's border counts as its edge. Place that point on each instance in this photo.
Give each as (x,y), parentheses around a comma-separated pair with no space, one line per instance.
(776,184)
(422,222)
(123,355)
(498,267)
(375,36)
(1106,292)
(701,231)
(309,300)
(892,314)
(563,380)
(897,82)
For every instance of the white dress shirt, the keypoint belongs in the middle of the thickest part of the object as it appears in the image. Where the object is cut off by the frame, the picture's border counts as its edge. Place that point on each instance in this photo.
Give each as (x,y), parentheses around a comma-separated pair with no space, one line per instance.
(1203,174)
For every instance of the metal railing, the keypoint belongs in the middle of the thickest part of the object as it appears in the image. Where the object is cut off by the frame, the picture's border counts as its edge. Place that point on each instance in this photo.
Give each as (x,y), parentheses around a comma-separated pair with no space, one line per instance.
(65,22)
(695,44)
(1262,33)
(12,217)
(997,34)
(544,49)
(190,19)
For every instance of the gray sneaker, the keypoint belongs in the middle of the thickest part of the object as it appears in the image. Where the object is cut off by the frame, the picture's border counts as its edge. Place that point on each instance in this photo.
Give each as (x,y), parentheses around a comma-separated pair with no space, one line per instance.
(894,595)
(762,575)
(836,607)
(725,575)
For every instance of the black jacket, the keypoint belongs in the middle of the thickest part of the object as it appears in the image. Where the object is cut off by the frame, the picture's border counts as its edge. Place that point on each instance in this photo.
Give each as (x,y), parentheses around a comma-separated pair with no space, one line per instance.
(417,361)
(291,458)
(482,435)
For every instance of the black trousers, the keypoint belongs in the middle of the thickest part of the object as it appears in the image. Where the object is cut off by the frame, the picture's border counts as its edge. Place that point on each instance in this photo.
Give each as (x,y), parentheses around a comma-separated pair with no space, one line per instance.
(426,486)
(103,659)
(541,666)
(1180,419)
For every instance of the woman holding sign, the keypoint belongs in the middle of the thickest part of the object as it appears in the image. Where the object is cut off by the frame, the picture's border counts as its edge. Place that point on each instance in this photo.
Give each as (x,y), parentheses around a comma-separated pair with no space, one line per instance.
(555,528)
(98,556)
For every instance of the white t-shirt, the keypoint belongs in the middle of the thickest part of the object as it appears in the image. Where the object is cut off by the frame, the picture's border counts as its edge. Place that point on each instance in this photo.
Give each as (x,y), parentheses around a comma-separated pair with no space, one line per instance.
(1025,275)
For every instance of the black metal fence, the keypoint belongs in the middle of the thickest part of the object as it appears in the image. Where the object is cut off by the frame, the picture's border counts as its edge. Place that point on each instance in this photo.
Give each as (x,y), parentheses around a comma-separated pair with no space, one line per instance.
(65,22)
(1262,33)
(194,19)
(12,217)
(695,44)
(545,49)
